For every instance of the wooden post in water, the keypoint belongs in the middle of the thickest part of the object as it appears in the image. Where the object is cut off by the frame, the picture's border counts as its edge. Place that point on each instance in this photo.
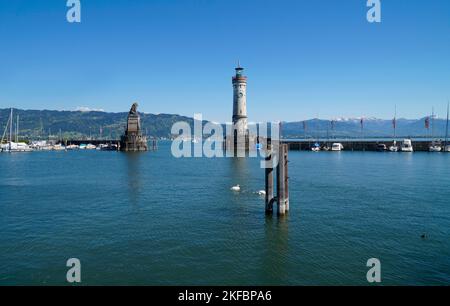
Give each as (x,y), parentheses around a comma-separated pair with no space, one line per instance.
(282,182)
(286,177)
(281,193)
(269,187)
(269,177)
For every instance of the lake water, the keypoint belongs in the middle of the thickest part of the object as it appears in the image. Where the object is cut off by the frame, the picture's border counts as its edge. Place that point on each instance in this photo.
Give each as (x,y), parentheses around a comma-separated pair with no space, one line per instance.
(151,219)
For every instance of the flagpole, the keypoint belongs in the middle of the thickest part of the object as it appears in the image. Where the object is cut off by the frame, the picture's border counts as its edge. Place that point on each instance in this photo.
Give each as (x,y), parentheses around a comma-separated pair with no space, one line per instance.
(362,133)
(362,128)
(304,128)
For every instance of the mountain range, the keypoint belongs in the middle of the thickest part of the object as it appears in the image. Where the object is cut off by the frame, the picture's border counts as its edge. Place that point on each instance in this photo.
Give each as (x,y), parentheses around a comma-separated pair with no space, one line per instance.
(41,124)
(372,127)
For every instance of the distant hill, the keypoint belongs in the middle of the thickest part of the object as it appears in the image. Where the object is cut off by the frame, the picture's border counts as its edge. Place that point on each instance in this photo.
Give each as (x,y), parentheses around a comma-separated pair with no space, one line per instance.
(35,124)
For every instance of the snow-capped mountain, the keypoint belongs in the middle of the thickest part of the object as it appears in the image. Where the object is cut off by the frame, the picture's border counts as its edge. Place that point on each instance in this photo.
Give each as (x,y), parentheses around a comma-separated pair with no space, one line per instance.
(371,127)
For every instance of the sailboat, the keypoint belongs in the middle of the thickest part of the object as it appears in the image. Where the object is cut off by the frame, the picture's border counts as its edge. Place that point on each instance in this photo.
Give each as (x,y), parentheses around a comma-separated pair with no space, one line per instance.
(434,147)
(316,145)
(394,147)
(446,145)
(6,147)
(11,146)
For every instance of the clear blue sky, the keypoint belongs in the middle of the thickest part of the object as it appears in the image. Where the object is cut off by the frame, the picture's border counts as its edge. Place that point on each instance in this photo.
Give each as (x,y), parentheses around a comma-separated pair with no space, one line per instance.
(303,58)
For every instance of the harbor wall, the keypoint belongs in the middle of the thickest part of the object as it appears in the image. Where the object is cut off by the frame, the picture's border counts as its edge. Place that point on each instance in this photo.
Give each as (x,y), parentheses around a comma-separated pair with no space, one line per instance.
(354,145)
(95,142)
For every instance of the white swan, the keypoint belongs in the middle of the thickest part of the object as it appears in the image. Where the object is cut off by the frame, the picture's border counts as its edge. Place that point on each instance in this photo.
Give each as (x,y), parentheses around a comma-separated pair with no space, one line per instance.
(236,188)
(262,192)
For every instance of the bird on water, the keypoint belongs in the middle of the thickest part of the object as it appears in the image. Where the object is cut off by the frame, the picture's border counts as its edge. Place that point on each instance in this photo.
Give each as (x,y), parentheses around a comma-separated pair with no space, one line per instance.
(236,188)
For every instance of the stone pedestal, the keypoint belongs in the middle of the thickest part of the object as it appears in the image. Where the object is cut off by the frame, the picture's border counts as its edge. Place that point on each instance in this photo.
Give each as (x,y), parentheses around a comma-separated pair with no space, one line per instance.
(133,140)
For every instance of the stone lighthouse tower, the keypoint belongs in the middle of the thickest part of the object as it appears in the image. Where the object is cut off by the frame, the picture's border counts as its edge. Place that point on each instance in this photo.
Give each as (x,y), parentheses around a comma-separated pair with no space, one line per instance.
(240,103)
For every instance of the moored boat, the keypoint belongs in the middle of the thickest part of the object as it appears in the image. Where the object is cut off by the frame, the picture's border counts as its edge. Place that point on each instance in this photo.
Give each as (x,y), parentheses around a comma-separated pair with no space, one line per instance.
(10,145)
(446,145)
(337,146)
(316,147)
(394,147)
(407,146)
(15,147)
(72,147)
(108,147)
(434,147)
(58,147)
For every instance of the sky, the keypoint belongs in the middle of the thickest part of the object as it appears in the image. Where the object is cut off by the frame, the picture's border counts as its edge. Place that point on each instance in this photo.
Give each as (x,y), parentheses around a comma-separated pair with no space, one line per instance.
(303,58)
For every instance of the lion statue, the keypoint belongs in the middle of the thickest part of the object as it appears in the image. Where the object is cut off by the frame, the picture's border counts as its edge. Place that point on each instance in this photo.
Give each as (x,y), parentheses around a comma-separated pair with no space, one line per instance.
(133,109)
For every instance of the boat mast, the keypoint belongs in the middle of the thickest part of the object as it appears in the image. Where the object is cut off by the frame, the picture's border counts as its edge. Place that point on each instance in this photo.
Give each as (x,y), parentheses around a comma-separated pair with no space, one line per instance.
(446,126)
(362,128)
(5,130)
(17,129)
(10,129)
(395,122)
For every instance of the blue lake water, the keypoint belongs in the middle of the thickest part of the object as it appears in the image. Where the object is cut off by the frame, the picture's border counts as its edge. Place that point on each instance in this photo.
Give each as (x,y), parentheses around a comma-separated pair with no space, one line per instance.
(152,219)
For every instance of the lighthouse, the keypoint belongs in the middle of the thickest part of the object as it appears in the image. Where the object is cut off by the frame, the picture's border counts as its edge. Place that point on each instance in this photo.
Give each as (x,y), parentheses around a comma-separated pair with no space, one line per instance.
(240,103)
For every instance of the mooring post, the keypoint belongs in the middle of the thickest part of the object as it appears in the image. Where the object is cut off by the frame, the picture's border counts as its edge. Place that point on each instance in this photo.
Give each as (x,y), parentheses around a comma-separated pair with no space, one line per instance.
(286,177)
(282,179)
(269,186)
(235,143)
(281,205)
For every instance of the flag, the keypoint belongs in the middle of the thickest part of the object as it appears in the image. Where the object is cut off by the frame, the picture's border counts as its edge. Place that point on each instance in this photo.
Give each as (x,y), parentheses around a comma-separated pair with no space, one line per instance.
(332,124)
(394,123)
(427,123)
(362,122)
